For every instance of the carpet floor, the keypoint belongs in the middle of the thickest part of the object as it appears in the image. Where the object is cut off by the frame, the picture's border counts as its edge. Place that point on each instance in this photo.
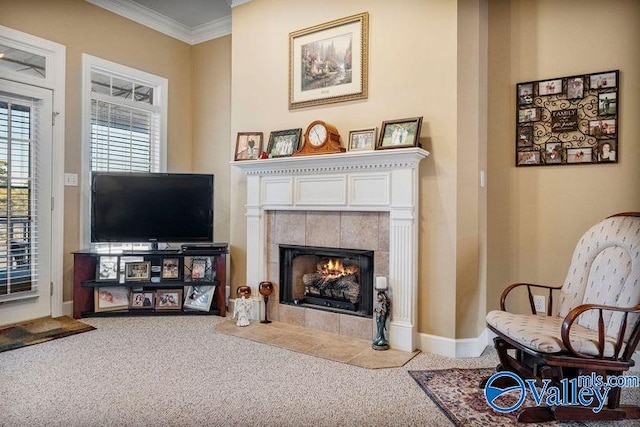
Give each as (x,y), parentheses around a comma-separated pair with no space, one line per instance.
(39,331)
(178,371)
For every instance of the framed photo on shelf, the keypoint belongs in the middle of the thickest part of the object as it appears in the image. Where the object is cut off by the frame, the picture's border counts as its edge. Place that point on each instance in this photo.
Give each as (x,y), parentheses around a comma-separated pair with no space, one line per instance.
(170,269)
(169,299)
(107,270)
(199,297)
(363,139)
(400,133)
(139,300)
(137,271)
(283,143)
(328,62)
(110,298)
(248,146)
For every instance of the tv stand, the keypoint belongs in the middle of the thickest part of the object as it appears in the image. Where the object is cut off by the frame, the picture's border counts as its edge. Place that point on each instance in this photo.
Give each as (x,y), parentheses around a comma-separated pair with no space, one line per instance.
(204,268)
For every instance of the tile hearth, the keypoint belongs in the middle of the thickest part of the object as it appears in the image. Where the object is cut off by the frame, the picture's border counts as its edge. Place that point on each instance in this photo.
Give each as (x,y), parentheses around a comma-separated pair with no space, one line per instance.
(327,345)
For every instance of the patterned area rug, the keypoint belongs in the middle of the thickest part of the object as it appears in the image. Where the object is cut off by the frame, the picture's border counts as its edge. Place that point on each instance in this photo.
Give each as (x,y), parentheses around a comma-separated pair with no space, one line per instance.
(38,331)
(457,394)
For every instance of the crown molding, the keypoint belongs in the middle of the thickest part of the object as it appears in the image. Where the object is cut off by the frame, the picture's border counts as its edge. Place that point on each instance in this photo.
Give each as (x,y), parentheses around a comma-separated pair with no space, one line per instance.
(170,27)
(235,3)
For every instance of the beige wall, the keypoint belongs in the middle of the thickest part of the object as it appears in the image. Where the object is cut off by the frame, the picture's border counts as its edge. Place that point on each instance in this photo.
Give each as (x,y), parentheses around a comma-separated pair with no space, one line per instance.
(84,28)
(211,78)
(536,215)
(412,72)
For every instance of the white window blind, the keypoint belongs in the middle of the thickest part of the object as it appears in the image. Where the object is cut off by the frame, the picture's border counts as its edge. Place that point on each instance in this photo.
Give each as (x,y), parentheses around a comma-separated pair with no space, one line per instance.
(19,179)
(124,126)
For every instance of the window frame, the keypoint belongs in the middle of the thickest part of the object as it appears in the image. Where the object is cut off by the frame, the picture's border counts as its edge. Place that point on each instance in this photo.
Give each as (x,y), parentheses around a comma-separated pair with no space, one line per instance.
(160,87)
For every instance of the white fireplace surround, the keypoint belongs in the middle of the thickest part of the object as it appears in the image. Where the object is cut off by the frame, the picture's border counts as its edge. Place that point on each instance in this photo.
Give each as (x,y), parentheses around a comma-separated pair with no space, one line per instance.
(382,180)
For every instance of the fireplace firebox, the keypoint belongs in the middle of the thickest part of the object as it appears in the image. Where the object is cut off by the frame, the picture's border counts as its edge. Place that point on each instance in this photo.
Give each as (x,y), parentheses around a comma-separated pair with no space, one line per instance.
(332,279)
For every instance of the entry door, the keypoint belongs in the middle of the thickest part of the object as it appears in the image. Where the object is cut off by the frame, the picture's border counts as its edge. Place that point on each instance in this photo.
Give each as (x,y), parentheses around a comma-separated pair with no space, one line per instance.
(25,202)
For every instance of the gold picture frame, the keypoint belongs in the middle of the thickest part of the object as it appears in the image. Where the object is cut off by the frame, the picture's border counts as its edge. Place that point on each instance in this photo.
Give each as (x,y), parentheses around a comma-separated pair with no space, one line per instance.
(341,75)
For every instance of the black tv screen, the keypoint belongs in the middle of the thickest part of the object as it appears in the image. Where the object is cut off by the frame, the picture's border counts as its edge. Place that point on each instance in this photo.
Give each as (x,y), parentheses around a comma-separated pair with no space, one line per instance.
(151,207)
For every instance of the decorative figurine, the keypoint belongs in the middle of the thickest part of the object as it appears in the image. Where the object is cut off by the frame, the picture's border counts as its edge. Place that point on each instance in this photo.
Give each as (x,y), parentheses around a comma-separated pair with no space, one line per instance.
(243,306)
(383,306)
(265,289)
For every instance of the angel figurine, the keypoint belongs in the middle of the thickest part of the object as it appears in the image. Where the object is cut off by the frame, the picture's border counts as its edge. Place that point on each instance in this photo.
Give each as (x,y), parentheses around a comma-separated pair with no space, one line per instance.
(243,308)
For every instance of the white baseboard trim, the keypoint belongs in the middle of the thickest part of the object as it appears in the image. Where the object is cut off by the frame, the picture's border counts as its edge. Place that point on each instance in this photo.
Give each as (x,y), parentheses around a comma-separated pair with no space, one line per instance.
(67,308)
(455,348)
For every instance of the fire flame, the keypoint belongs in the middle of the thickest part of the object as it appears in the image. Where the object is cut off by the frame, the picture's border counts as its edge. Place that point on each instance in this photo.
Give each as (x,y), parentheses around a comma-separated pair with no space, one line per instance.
(334,268)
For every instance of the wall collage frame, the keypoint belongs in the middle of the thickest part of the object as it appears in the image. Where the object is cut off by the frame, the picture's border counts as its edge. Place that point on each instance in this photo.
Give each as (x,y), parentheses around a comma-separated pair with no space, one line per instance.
(568,120)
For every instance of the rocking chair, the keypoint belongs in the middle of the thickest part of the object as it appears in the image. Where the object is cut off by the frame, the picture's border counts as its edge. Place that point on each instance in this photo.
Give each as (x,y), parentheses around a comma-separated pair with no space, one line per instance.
(594,331)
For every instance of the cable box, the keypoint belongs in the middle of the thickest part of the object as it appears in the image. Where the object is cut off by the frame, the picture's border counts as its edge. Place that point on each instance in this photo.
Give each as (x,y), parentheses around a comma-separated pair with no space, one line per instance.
(204,247)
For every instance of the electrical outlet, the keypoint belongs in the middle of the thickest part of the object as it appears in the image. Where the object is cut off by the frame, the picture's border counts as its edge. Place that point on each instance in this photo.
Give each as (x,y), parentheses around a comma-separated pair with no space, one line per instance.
(539,303)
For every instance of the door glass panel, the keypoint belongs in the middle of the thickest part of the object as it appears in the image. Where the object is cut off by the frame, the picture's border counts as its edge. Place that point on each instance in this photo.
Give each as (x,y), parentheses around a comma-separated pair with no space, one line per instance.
(16,218)
(20,61)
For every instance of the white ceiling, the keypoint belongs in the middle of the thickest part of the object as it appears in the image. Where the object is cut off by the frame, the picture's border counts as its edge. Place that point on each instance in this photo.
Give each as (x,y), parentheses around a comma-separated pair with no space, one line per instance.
(192,21)
(189,12)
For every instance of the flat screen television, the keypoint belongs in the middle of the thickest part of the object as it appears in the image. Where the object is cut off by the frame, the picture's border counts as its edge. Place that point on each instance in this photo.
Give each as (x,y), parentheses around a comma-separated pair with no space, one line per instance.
(151,207)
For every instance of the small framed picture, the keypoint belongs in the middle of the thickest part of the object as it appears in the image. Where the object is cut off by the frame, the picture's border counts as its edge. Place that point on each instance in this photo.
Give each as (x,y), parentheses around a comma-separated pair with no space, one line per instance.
(198,269)
(139,300)
(525,136)
(248,146)
(362,140)
(603,80)
(602,128)
(607,151)
(526,115)
(199,297)
(169,299)
(110,298)
(580,155)
(525,94)
(553,153)
(107,270)
(170,269)
(550,87)
(400,133)
(528,158)
(607,104)
(575,87)
(283,143)
(137,271)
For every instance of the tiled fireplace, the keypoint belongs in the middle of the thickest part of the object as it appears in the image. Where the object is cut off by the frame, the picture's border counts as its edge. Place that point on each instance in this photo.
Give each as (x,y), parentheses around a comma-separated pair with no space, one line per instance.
(360,201)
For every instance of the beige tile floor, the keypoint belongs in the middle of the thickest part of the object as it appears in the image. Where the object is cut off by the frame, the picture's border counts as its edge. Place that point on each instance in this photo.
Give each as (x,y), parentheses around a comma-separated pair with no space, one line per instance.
(327,345)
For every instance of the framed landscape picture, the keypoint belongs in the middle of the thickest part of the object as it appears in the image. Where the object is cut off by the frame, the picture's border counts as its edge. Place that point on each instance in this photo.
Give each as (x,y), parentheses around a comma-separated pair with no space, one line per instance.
(329,62)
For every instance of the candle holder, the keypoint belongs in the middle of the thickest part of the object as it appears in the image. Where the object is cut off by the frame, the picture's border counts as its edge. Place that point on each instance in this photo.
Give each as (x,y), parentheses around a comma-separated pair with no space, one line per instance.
(265,289)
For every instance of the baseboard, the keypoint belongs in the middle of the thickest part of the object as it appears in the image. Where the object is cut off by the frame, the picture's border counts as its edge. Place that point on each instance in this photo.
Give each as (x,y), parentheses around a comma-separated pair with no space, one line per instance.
(454,348)
(67,308)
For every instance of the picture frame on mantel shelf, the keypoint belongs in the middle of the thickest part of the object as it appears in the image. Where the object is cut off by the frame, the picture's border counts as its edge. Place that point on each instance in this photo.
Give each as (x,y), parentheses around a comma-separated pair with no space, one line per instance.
(363,139)
(283,143)
(400,133)
(328,62)
(248,146)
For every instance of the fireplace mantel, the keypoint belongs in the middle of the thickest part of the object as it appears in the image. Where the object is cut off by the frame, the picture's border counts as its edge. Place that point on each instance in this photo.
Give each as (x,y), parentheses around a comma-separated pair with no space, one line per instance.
(383,180)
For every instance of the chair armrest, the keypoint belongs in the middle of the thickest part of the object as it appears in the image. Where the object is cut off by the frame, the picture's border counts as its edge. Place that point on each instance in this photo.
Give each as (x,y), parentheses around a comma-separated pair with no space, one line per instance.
(573,315)
(503,298)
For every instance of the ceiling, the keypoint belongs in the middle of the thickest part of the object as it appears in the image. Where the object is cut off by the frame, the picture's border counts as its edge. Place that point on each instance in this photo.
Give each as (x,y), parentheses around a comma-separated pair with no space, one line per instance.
(191,21)
(189,12)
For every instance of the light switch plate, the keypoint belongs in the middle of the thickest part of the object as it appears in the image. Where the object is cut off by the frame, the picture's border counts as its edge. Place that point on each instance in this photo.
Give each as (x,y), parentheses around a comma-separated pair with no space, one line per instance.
(71,179)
